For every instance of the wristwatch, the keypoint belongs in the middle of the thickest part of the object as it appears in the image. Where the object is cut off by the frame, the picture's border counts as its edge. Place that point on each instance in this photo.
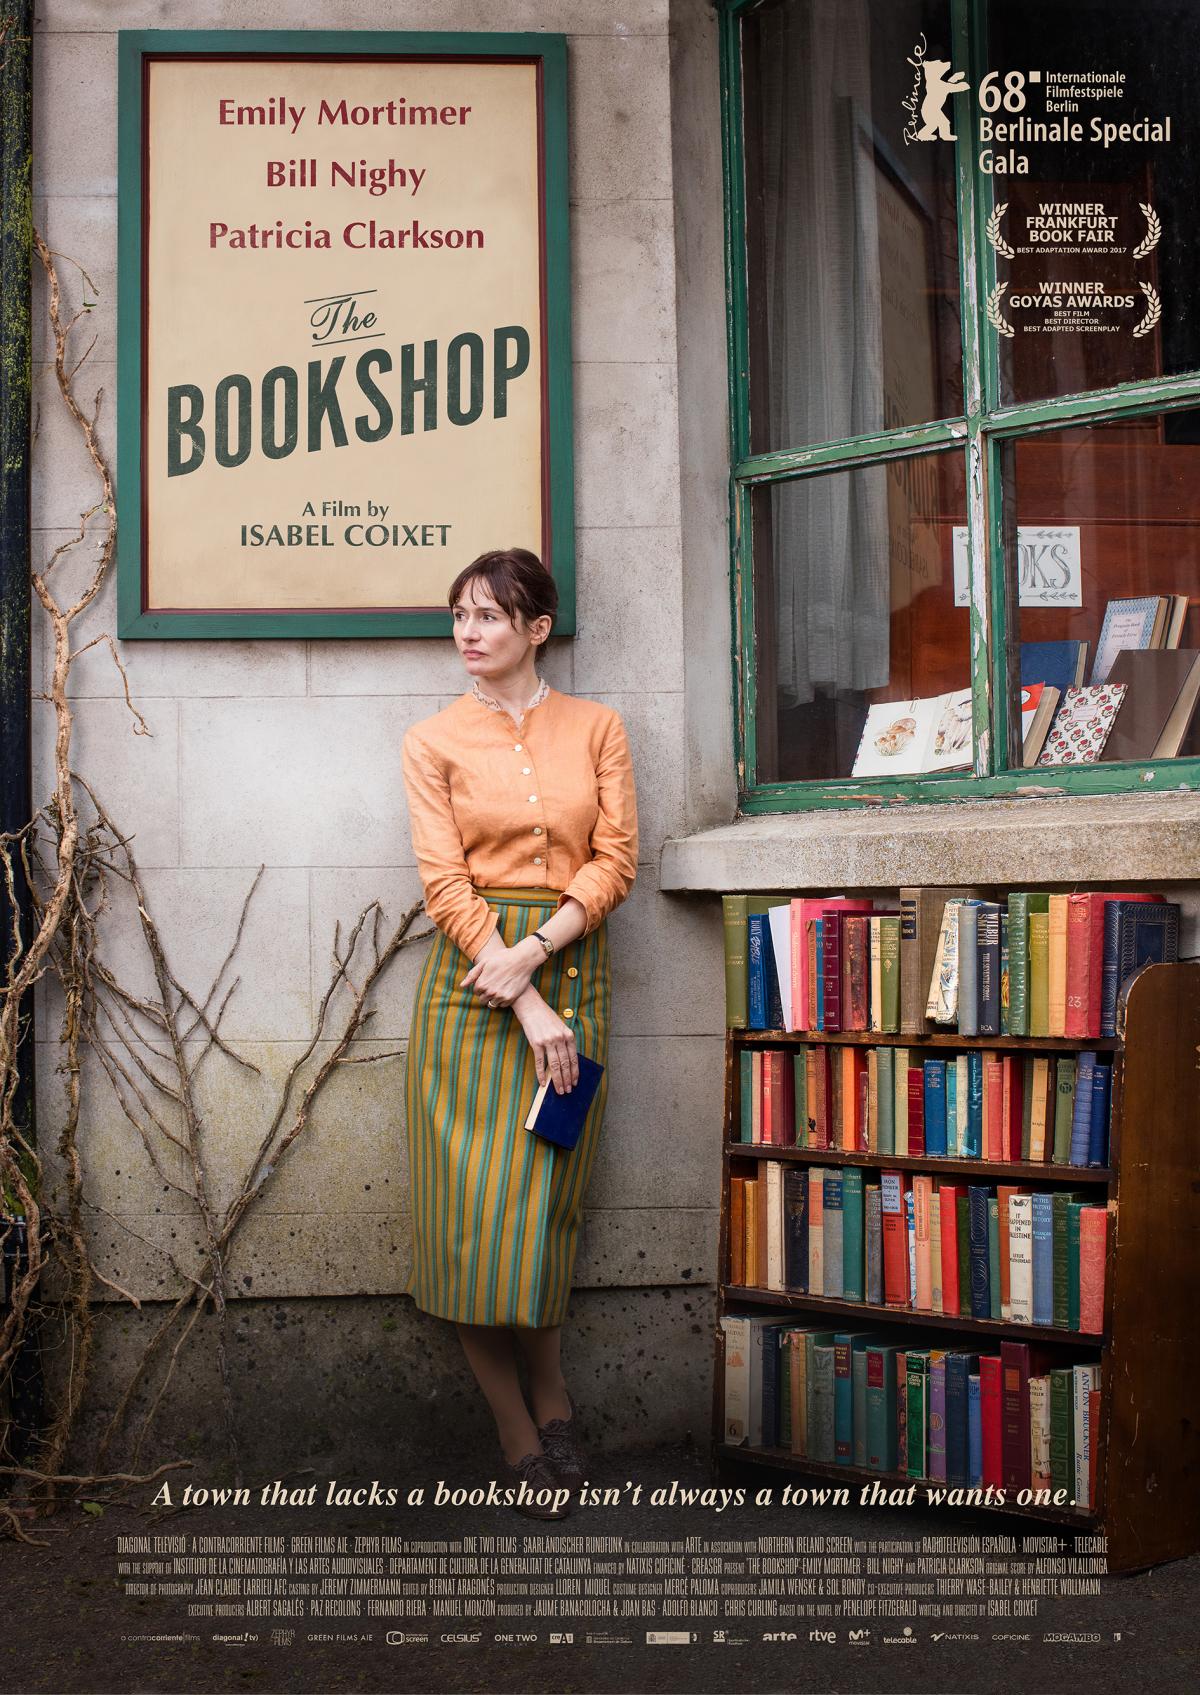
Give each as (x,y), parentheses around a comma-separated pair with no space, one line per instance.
(546,943)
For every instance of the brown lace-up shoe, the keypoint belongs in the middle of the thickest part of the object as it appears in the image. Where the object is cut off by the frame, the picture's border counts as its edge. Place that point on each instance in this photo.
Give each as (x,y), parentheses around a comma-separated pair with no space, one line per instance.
(538,1475)
(562,1450)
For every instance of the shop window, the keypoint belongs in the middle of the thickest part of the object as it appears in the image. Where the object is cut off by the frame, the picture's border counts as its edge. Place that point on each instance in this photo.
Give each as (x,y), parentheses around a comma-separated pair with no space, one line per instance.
(966,392)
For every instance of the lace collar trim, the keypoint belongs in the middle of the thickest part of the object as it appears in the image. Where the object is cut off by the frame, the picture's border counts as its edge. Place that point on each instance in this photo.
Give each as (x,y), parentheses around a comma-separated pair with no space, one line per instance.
(539,694)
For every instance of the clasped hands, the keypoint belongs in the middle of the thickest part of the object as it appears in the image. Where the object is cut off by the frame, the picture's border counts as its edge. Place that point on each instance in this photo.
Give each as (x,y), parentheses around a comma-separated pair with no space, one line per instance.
(501,977)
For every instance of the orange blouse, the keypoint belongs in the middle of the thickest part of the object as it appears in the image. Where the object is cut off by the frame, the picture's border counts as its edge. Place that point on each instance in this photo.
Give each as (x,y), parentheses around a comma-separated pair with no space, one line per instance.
(549,804)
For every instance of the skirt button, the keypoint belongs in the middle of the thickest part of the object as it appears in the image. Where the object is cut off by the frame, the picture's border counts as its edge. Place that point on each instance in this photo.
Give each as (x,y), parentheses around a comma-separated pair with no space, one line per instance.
(572,971)
(568,1012)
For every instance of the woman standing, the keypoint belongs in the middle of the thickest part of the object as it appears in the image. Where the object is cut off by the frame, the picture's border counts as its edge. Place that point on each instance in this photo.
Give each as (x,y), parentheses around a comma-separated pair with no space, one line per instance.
(524,825)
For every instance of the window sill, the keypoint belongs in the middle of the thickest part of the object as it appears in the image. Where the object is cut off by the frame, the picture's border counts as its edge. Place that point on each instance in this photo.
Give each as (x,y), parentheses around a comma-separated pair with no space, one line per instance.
(1080,839)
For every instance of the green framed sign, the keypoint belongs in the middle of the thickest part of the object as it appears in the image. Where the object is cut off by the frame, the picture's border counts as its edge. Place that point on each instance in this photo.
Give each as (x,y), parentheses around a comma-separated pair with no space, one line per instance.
(344,350)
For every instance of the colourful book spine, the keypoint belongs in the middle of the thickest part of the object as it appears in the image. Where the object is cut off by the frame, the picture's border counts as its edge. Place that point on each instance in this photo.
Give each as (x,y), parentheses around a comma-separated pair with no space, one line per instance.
(821,1427)
(756,1096)
(968,969)
(800,1095)
(856,1008)
(1098,1123)
(875,973)
(1081,1120)
(988,947)
(917,1399)
(1020,1258)
(733,910)
(1074,1234)
(819,973)
(1057,967)
(1015,1364)
(1093,1249)
(974,1431)
(1064,1107)
(746,1095)
(1086,1378)
(1079,951)
(910,1236)
(881,1407)
(843,1399)
(889,955)
(858,1374)
(991,1417)
(951,1107)
(922,1194)
(1039,1107)
(852,1234)
(981,1303)
(1043,1259)
(993,1108)
(962,1208)
(1005,981)
(833,1233)
(959,1366)
(1039,973)
(993,1257)
(873,1229)
(1062,1432)
(795,1236)
(933,1107)
(831,972)
(737,1377)
(1039,1432)
(756,972)
(900,1124)
(1060,1303)
(937,1414)
(947,1203)
(974,1143)
(885,1139)
(916,1109)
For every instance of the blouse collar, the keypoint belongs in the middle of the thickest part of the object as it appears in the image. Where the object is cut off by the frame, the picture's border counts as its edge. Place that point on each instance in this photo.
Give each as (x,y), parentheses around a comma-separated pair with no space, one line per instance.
(539,694)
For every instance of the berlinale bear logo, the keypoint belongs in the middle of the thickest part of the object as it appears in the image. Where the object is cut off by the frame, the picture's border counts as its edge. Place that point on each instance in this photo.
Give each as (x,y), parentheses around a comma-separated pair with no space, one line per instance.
(930,94)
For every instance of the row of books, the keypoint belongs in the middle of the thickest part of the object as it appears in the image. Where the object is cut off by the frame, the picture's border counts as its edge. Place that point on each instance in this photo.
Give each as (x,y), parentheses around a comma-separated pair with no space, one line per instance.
(1045,1108)
(965,1250)
(1010,1421)
(1027,964)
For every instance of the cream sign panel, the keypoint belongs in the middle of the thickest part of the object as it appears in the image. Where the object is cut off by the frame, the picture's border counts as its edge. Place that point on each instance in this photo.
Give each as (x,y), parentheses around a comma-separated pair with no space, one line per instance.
(350,349)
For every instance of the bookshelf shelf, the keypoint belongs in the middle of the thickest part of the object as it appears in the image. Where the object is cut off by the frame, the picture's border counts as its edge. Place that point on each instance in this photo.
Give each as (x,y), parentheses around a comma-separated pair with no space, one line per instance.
(784,1459)
(1147,1467)
(866,1313)
(984,1169)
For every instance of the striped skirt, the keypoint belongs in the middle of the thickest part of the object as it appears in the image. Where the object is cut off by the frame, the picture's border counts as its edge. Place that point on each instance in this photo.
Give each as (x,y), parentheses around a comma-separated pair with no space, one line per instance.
(496,1210)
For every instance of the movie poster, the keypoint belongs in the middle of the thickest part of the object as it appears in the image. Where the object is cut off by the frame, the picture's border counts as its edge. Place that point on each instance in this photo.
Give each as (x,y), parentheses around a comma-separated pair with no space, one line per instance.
(324,308)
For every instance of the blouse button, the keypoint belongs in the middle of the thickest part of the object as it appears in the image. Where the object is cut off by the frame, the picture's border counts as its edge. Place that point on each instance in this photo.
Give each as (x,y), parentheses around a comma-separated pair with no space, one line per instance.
(532,798)
(537,829)
(525,770)
(537,859)
(572,971)
(516,747)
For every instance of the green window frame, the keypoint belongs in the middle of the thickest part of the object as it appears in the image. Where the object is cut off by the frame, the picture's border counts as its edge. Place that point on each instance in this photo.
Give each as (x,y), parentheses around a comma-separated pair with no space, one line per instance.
(984,429)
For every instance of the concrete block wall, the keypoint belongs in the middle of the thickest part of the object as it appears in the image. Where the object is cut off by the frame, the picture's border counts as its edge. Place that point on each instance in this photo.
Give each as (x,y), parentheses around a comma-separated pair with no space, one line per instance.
(285,754)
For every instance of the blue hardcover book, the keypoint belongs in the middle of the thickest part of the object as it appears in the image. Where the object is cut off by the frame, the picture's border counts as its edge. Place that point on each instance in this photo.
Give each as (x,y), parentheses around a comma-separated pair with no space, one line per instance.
(1081,1117)
(774,996)
(988,944)
(974,1431)
(560,1118)
(795,1229)
(1136,933)
(746,1073)
(951,1108)
(1058,663)
(935,1108)
(910,1230)
(1043,1259)
(833,1233)
(756,971)
(993,1257)
(974,1147)
(819,930)
(958,1369)
(1101,1103)
(977,1241)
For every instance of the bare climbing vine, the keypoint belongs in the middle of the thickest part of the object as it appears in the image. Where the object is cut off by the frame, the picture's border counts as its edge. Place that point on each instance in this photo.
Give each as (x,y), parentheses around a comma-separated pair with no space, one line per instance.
(74,858)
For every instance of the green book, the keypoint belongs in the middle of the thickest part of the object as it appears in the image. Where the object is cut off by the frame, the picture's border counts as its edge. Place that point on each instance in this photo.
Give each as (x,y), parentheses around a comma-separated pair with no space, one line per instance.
(1026,1102)
(1039,973)
(886,1094)
(1062,1430)
(994,1256)
(746,1115)
(881,1406)
(733,909)
(1061,1257)
(822,1443)
(962,1207)
(1074,1208)
(800,1073)
(852,1234)
(889,964)
(1064,1108)
(1019,908)
(917,1404)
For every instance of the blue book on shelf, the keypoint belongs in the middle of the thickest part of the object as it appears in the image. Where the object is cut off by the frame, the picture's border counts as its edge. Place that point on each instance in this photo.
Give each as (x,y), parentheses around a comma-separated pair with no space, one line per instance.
(820,973)
(756,971)
(974,1147)
(935,1108)
(993,1257)
(1081,1117)
(1136,933)
(958,1370)
(951,1108)
(988,969)
(832,1228)
(1101,1103)
(974,1430)
(910,1230)
(1058,663)
(1043,1259)
(978,1196)
(774,998)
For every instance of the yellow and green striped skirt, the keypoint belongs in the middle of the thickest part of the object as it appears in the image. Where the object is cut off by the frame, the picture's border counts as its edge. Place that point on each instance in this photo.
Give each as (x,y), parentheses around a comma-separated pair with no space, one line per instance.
(496,1210)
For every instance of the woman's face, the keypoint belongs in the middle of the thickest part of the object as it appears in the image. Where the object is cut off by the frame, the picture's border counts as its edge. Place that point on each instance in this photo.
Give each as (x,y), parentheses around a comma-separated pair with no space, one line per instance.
(490,644)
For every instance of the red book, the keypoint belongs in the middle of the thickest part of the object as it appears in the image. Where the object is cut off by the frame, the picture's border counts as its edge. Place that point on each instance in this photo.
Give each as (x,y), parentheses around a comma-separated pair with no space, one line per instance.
(1085,957)
(779,1097)
(993,1107)
(895,1241)
(844,1448)
(853,1121)
(817,1066)
(831,970)
(1013,1100)
(947,1197)
(1019,1361)
(1093,1253)
(916,1109)
(768,1095)
(804,968)
(856,1003)
(991,1418)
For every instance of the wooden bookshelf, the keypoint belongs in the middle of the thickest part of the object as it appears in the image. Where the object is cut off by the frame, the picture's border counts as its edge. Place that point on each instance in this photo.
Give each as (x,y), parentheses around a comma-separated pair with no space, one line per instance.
(1148,1464)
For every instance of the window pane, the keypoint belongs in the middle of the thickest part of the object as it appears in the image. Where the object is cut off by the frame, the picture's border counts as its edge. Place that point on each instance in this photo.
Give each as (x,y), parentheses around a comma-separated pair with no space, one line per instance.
(855,610)
(852,256)
(1108,533)
(1114,219)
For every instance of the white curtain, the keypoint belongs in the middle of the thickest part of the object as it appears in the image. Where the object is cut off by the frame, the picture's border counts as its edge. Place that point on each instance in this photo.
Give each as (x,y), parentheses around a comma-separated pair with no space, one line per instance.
(824,336)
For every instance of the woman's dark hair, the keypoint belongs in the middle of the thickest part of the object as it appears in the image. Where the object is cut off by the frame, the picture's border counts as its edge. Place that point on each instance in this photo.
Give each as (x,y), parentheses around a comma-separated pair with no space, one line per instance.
(517,581)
